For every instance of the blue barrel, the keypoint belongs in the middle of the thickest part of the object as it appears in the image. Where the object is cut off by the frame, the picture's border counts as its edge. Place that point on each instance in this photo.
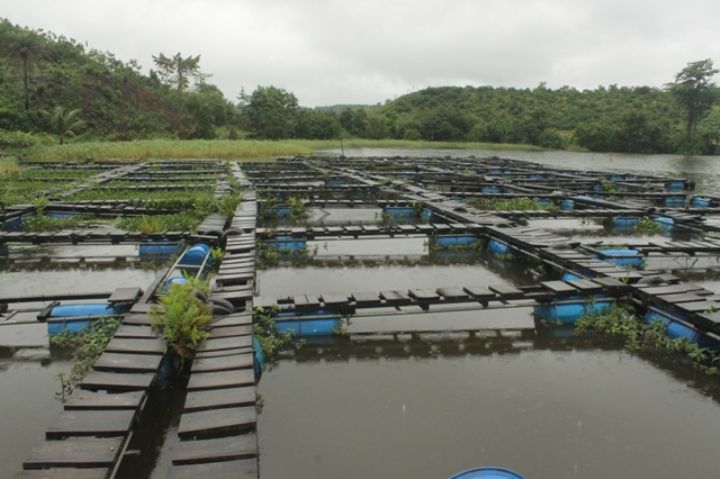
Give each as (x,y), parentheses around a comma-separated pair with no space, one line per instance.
(665,223)
(61,214)
(196,254)
(292,321)
(258,355)
(426,214)
(569,313)
(456,240)
(675,185)
(570,276)
(675,328)
(567,204)
(157,249)
(175,280)
(13,224)
(88,309)
(700,202)
(625,221)
(535,177)
(487,473)
(287,243)
(282,211)
(498,247)
(623,257)
(674,201)
(400,212)
(60,325)
(543,202)
(490,189)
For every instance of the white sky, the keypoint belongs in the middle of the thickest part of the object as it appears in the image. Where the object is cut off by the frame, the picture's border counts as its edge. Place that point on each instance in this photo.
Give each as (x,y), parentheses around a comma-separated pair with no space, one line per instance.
(367,51)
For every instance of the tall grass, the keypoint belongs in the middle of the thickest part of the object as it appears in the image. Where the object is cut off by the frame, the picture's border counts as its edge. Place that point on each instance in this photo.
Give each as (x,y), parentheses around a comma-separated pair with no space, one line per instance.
(8,165)
(228,149)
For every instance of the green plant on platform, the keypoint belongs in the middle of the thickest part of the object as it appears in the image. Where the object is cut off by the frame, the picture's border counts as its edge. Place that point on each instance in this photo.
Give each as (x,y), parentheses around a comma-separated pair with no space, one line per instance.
(183,317)
(608,186)
(217,255)
(40,204)
(298,212)
(272,340)
(42,222)
(648,226)
(149,224)
(510,204)
(86,347)
(227,204)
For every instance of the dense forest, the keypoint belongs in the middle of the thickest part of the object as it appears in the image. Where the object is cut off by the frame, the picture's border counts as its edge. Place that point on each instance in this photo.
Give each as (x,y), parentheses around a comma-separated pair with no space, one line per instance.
(54,88)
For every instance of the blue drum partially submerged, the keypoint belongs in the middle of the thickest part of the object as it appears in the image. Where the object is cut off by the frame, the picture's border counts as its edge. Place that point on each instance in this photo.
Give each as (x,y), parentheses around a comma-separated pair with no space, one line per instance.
(487,473)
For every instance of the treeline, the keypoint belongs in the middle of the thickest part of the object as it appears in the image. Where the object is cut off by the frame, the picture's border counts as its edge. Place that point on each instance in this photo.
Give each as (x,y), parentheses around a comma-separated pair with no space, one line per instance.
(48,80)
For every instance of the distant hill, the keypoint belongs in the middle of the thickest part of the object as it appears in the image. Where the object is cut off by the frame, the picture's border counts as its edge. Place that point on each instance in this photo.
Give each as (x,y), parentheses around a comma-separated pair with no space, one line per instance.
(342,107)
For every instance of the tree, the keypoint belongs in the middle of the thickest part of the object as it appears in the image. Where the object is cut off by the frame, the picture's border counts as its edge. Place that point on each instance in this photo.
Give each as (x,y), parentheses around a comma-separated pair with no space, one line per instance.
(693,89)
(178,70)
(63,122)
(270,112)
(25,49)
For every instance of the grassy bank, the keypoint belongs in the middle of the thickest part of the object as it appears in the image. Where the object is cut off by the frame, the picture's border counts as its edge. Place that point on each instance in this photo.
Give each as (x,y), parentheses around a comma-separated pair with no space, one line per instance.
(229,149)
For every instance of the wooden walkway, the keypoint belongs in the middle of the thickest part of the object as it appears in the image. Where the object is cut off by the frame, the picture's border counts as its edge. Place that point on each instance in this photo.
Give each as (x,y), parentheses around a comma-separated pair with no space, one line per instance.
(217,428)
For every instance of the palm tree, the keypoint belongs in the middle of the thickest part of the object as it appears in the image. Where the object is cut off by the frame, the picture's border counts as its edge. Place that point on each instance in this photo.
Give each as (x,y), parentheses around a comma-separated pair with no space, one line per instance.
(24,49)
(63,122)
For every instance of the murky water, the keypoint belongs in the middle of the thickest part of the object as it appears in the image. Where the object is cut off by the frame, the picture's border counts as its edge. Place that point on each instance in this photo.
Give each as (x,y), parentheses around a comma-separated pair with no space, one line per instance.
(27,396)
(370,411)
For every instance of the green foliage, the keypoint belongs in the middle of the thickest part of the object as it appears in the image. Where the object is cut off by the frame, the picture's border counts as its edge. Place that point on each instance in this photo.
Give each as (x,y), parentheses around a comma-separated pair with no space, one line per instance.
(63,122)
(177,71)
(648,226)
(86,347)
(19,139)
(270,112)
(184,221)
(182,317)
(40,203)
(298,212)
(620,322)
(510,204)
(609,186)
(694,91)
(217,255)
(270,338)
(41,222)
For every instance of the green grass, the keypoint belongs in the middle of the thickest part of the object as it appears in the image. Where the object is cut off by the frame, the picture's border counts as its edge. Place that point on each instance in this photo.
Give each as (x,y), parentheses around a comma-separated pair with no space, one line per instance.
(8,165)
(229,149)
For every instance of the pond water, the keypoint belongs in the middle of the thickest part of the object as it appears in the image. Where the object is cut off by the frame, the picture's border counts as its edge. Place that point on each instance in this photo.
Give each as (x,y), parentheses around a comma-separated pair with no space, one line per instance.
(27,390)
(590,413)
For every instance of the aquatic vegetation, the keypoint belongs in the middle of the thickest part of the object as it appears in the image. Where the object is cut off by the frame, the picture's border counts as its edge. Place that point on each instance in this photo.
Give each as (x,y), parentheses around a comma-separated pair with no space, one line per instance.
(86,347)
(183,316)
(272,340)
(510,204)
(42,222)
(608,186)
(648,226)
(148,224)
(620,322)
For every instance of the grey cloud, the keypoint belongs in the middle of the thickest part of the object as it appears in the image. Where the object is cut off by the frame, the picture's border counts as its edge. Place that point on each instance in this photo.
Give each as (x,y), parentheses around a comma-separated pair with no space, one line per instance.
(333,51)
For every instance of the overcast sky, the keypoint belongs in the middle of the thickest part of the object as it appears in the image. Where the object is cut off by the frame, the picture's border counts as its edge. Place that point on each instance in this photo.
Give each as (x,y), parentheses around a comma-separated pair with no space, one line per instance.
(367,51)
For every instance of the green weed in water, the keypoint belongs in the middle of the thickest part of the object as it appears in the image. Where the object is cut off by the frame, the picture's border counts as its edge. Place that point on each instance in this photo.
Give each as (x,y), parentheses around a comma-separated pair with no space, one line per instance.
(648,226)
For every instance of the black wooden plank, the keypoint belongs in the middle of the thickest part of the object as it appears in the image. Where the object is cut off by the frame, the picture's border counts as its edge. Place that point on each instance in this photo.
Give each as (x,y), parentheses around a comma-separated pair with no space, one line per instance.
(335,299)
(454,294)
(137,319)
(479,293)
(124,295)
(230,331)
(243,446)
(74,452)
(366,299)
(239,469)
(223,352)
(559,287)
(124,362)
(80,399)
(395,297)
(586,285)
(117,381)
(223,363)
(231,320)
(137,345)
(423,294)
(214,422)
(63,473)
(130,331)
(91,423)
(219,398)
(221,379)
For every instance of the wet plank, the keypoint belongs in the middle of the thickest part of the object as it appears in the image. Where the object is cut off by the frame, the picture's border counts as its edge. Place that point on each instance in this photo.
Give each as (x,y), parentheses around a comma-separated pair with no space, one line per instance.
(230,331)
(63,473)
(454,294)
(559,287)
(223,352)
(221,379)
(144,363)
(213,450)
(117,381)
(131,331)
(124,295)
(137,345)
(80,399)
(219,398)
(231,320)
(223,363)
(90,423)
(240,469)
(219,344)
(137,319)
(74,452)
(214,422)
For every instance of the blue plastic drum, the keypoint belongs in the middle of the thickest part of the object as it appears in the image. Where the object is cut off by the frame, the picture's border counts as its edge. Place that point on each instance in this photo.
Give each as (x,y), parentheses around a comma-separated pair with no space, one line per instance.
(487,473)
